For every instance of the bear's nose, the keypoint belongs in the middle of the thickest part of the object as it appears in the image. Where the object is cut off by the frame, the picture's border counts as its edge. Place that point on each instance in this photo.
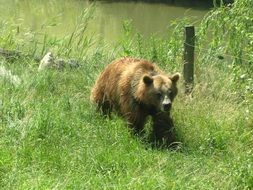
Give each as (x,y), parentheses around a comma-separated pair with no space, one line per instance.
(166,107)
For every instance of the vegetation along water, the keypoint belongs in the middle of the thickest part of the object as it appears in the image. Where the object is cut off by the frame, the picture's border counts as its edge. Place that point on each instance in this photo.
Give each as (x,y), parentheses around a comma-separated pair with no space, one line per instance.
(51,136)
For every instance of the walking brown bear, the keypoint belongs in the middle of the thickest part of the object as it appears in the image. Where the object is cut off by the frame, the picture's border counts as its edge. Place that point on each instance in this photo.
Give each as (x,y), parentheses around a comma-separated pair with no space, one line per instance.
(137,88)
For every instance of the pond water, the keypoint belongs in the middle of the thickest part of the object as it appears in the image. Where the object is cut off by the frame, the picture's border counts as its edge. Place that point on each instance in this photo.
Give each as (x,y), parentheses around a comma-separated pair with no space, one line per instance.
(58,17)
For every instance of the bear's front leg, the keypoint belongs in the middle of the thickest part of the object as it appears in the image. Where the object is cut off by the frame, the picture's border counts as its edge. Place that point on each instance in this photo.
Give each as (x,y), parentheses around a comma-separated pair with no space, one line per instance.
(136,122)
(163,129)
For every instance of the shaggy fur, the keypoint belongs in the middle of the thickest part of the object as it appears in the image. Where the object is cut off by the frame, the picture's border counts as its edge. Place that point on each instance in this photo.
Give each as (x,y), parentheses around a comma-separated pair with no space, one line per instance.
(137,88)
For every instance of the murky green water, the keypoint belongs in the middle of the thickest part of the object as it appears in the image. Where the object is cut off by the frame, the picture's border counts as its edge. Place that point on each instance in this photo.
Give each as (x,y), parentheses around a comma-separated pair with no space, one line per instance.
(58,17)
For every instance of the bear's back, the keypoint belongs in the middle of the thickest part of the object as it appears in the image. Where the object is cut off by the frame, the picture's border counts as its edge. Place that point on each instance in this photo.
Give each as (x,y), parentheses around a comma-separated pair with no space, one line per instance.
(119,78)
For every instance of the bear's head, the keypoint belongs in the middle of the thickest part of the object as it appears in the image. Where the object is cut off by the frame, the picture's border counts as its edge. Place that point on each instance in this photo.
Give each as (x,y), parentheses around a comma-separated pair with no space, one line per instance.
(158,92)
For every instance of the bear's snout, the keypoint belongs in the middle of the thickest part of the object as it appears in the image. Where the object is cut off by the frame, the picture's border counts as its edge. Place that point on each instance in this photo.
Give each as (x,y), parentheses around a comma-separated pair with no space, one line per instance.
(167,106)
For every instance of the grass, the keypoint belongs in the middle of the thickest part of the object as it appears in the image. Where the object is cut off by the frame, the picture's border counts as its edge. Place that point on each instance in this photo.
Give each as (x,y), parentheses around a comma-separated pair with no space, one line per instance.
(51,136)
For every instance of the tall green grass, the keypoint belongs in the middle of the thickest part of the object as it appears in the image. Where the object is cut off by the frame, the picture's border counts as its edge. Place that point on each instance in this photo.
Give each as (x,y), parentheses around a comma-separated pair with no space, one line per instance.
(51,136)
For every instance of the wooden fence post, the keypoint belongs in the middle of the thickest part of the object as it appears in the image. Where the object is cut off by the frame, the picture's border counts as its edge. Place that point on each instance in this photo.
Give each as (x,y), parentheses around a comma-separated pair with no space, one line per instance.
(189,45)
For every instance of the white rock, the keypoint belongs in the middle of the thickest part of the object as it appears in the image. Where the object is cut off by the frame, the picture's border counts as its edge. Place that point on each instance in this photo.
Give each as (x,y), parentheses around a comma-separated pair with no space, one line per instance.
(46,62)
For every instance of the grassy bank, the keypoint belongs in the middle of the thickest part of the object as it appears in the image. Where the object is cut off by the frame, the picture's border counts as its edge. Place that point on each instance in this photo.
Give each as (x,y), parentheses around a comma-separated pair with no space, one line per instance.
(51,136)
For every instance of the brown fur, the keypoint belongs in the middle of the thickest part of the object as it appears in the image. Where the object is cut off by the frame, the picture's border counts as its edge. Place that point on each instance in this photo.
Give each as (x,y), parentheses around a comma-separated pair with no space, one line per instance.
(137,88)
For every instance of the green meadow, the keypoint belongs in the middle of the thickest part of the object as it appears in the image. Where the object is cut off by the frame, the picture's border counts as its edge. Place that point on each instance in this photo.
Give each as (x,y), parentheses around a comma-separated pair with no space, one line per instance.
(52,137)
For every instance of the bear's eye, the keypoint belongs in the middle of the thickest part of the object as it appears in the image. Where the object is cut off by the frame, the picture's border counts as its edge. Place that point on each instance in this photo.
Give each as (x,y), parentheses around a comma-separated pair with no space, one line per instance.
(159,95)
(169,93)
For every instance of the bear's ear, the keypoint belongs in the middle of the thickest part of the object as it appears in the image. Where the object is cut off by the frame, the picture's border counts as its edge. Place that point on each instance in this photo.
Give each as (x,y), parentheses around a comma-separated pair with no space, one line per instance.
(175,77)
(148,80)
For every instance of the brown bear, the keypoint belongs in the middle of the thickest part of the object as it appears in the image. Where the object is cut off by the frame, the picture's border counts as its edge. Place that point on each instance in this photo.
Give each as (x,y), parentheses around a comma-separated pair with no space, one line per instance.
(137,88)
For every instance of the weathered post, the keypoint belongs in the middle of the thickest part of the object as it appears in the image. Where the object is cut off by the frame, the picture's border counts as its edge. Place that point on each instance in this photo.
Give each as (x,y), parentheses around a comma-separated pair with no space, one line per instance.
(188,71)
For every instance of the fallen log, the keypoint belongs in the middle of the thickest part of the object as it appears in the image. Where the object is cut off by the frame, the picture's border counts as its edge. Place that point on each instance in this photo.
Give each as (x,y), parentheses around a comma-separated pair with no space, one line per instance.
(10,53)
(47,61)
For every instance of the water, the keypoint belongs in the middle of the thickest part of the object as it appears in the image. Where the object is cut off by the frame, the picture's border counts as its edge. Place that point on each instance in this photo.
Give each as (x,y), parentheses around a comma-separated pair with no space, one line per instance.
(58,17)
